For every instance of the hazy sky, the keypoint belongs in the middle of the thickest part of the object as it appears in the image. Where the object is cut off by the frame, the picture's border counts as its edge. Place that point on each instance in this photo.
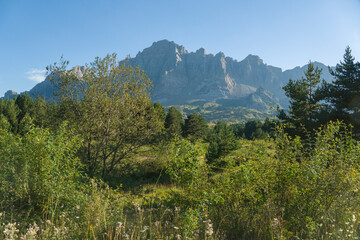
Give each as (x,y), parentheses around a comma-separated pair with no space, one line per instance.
(284,33)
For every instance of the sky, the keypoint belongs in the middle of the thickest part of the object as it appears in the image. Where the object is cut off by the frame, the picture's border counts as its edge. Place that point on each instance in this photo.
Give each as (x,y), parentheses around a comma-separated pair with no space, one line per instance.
(284,33)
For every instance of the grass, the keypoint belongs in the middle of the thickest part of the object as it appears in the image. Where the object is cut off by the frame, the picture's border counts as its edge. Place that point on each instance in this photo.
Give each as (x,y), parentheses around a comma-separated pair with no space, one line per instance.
(262,191)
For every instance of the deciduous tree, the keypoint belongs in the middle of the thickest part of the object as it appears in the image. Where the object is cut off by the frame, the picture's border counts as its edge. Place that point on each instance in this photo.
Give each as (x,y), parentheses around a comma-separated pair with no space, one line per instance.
(108,104)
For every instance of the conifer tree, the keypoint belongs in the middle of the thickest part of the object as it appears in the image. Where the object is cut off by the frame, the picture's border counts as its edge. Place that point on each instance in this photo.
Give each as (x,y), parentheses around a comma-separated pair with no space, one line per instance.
(174,122)
(222,141)
(304,101)
(343,94)
(195,126)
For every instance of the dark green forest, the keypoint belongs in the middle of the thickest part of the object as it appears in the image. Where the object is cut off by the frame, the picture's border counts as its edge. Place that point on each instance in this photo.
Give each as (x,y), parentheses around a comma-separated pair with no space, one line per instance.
(105,162)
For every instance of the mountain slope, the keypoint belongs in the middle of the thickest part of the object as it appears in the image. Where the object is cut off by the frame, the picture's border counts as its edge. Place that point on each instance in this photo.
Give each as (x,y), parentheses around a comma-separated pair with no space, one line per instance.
(180,77)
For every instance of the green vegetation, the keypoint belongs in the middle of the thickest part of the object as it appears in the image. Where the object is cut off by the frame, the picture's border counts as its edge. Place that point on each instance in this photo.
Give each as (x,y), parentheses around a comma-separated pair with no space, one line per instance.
(214,112)
(106,163)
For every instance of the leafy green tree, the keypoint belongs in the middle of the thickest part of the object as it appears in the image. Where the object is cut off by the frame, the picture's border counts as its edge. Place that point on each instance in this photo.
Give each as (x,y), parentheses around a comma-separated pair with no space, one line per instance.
(174,122)
(304,101)
(161,110)
(222,141)
(195,126)
(108,103)
(10,110)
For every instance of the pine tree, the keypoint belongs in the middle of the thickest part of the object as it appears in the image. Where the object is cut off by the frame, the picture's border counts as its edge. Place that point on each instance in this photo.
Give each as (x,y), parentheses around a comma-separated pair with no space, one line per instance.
(174,122)
(343,94)
(195,126)
(25,105)
(222,141)
(304,101)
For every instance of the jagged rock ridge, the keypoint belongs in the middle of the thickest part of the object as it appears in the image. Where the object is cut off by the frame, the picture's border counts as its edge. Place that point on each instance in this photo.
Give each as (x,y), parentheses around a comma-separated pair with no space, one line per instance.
(180,76)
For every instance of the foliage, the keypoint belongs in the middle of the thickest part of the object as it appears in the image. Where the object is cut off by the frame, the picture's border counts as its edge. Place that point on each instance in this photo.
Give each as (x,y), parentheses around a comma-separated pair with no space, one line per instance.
(255,129)
(174,122)
(222,141)
(39,170)
(304,101)
(15,110)
(195,126)
(293,192)
(343,94)
(108,103)
(183,164)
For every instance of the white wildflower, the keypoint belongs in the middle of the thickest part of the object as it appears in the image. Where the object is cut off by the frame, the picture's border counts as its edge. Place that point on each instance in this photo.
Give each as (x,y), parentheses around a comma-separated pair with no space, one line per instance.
(209,229)
(145,229)
(10,231)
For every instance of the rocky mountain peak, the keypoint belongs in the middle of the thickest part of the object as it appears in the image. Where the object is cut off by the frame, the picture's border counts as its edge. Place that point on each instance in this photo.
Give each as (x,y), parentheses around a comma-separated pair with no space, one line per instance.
(10,94)
(166,46)
(254,59)
(201,51)
(179,77)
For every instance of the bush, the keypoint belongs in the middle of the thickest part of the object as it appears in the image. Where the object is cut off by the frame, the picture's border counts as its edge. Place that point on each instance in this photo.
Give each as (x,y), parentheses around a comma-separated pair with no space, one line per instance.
(294,192)
(39,171)
(184,165)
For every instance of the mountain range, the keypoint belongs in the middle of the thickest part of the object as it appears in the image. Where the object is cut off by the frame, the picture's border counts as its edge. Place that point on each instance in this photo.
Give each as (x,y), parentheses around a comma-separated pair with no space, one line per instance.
(182,77)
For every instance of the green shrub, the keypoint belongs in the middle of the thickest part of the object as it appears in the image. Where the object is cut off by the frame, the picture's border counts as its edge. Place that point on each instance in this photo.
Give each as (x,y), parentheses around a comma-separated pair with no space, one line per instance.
(39,170)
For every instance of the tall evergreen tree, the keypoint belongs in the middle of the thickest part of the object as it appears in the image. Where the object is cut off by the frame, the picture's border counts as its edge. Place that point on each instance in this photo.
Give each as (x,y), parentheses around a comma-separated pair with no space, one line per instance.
(304,101)
(195,126)
(343,94)
(222,141)
(25,105)
(174,122)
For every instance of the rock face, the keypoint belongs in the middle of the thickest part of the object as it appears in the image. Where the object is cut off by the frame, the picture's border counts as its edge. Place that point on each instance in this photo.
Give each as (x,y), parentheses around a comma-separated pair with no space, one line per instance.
(10,94)
(180,76)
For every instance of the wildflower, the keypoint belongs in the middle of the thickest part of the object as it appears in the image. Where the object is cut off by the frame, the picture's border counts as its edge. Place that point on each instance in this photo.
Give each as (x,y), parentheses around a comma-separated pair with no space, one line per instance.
(137,206)
(145,229)
(209,229)
(175,227)
(353,218)
(10,231)
(77,207)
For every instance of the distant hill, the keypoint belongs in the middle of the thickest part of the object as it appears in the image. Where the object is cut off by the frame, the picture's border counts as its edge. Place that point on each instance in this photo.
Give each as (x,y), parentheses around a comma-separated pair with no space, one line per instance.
(181,77)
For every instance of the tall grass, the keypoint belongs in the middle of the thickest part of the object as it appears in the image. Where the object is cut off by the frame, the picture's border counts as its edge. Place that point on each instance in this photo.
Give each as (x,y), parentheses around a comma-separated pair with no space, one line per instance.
(269,189)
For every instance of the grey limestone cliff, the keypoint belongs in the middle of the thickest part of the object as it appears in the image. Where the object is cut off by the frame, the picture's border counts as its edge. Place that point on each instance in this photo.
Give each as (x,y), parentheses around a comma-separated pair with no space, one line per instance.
(180,76)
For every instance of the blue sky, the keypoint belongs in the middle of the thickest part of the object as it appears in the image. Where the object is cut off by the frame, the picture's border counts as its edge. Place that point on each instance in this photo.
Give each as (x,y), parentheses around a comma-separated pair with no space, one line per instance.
(284,33)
